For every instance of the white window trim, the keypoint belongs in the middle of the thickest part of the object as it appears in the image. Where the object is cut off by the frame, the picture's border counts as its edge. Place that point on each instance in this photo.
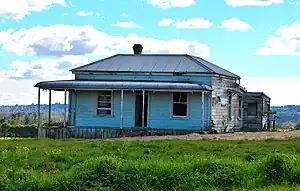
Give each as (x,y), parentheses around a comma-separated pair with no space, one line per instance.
(104,108)
(187,106)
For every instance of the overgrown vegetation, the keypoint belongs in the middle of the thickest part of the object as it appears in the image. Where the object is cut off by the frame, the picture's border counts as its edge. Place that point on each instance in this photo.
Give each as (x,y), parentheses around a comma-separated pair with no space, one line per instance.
(28,120)
(151,165)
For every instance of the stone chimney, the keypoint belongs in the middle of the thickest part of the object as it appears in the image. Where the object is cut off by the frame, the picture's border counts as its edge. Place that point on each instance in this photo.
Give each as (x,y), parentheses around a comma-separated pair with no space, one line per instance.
(137,49)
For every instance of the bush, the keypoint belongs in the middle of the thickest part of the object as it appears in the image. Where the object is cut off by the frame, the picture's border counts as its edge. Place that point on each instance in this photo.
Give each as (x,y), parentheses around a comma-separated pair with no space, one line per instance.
(6,125)
(19,126)
(297,127)
(277,169)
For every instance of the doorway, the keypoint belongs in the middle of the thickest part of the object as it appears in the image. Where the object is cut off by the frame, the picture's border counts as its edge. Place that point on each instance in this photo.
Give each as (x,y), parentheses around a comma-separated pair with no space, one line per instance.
(139,109)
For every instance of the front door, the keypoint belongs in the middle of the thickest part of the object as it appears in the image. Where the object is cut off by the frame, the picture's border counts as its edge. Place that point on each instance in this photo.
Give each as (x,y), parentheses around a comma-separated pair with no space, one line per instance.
(139,109)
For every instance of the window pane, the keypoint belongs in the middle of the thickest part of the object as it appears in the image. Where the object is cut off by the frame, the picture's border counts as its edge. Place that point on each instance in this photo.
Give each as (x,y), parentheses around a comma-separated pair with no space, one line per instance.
(180,97)
(179,109)
(104,98)
(252,109)
(104,105)
(103,112)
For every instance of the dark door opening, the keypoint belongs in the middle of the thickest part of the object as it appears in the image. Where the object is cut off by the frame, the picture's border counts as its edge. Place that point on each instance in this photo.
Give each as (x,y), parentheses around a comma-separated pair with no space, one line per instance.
(139,110)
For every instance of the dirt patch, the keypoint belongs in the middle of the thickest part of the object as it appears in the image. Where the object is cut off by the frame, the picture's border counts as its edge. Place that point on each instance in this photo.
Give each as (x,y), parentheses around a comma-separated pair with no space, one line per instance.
(234,136)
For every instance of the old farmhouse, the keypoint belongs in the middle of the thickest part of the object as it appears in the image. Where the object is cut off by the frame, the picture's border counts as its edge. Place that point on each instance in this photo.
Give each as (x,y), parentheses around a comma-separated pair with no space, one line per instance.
(158,91)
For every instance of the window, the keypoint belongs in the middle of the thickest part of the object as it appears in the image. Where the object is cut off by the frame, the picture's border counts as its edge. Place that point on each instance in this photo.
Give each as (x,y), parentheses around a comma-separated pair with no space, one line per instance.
(252,109)
(104,105)
(240,108)
(229,107)
(180,104)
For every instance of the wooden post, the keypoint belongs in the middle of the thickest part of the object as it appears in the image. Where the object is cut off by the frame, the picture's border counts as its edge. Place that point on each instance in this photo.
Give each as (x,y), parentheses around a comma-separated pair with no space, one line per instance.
(39,108)
(49,114)
(122,109)
(65,108)
(75,108)
(143,112)
(202,118)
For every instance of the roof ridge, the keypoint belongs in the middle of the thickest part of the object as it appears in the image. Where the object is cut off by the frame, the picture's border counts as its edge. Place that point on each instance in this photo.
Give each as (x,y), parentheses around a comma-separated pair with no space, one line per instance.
(200,64)
(156,54)
(215,65)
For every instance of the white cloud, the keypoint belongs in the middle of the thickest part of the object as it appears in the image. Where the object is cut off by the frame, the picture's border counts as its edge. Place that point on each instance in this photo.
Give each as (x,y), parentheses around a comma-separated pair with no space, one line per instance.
(124,15)
(44,69)
(59,40)
(235,24)
(18,80)
(18,9)
(282,90)
(165,4)
(165,22)
(239,3)
(294,2)
(285,42)
(129,24)
(22,91)
(192,23)
(85,14)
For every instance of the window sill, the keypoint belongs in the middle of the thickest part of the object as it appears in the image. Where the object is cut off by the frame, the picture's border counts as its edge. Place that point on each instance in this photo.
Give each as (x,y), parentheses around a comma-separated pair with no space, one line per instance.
(179,117)
(104,116)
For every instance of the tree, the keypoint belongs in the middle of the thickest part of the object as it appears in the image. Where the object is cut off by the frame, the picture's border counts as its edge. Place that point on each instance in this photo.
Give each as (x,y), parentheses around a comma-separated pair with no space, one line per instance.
(26,120)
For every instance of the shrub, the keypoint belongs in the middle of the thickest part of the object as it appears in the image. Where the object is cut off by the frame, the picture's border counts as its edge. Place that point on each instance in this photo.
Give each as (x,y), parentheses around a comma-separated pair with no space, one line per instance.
(297,127)
(6,125)
(277,169)
(19,126)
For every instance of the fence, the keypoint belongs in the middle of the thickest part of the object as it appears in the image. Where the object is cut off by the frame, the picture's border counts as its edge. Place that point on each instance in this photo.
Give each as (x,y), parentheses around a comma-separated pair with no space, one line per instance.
(104,133)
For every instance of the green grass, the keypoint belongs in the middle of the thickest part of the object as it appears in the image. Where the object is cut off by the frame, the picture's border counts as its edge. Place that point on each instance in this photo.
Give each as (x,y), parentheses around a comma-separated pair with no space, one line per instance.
(33,164)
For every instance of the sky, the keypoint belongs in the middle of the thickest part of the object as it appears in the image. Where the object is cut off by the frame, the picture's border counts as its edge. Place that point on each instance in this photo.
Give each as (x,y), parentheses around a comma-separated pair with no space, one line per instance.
(256,39)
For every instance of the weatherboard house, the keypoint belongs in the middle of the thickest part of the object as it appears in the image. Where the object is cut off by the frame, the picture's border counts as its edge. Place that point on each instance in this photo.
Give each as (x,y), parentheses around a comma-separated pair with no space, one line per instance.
(157,91)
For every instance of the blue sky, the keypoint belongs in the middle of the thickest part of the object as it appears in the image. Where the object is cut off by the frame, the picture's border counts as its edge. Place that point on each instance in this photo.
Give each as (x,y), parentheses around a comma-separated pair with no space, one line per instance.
(258,40)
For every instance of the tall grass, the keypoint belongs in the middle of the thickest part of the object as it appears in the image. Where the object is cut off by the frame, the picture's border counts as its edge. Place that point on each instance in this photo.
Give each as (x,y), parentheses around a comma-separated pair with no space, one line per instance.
(158,165)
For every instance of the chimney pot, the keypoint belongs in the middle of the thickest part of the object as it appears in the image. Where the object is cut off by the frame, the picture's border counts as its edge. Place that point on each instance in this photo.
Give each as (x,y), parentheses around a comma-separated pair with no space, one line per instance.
(137,49)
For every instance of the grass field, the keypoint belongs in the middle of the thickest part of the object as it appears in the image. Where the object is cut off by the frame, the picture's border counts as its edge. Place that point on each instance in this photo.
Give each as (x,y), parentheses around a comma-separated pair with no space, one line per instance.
(32,164)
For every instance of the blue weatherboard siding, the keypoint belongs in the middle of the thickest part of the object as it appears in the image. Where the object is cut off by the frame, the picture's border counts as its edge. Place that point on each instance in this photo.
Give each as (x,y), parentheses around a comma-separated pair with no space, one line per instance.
(191,78)
(160,112)
(87,106)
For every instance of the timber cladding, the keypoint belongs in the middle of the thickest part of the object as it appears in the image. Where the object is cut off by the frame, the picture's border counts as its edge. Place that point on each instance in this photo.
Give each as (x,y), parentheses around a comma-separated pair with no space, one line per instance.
(220,103)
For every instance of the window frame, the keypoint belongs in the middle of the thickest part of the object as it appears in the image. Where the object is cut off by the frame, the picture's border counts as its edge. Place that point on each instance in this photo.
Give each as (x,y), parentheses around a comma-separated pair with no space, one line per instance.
(186,103)
(230,107)
(240,109)
(105,108)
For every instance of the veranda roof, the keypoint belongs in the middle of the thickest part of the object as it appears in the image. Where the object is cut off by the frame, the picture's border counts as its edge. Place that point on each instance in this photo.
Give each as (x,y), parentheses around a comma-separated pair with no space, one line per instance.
(121,85)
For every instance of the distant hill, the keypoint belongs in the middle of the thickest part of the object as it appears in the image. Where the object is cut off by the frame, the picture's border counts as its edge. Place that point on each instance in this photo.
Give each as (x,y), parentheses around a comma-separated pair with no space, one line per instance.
(289,114)
(57,107)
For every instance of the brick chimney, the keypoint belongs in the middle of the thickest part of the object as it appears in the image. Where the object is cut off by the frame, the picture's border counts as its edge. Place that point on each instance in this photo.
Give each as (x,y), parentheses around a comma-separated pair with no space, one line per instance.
(137,49)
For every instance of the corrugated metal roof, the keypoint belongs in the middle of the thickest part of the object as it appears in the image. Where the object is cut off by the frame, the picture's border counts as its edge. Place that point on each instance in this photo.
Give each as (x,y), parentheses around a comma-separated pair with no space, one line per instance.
(118,85)
(171,63)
